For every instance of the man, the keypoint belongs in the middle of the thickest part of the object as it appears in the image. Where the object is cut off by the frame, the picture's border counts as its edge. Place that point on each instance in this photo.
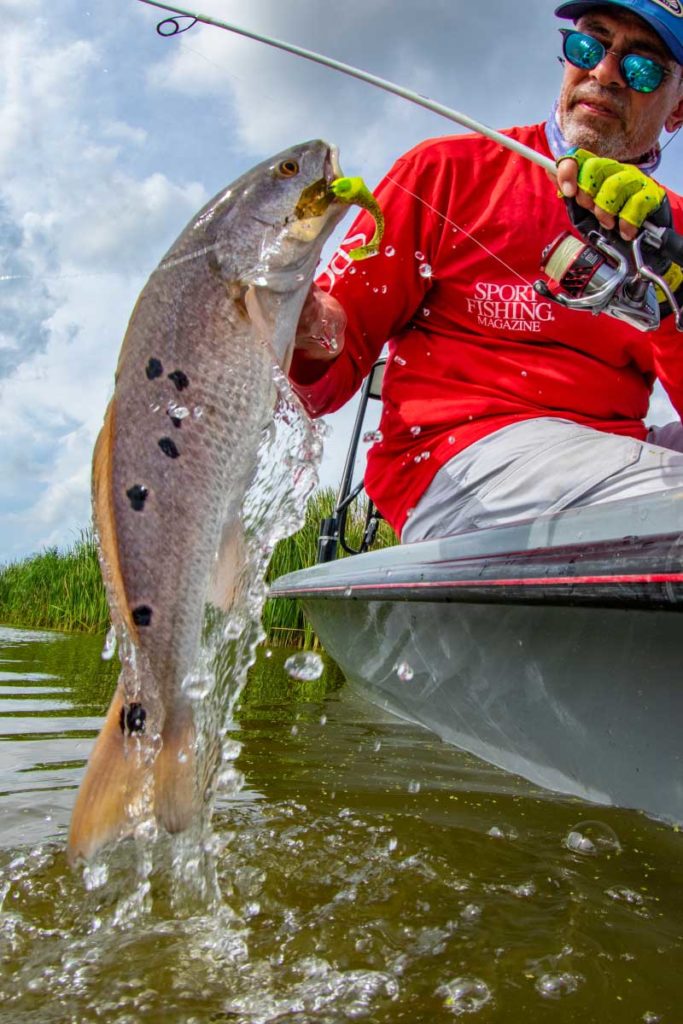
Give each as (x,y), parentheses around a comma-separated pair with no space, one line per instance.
(499,404)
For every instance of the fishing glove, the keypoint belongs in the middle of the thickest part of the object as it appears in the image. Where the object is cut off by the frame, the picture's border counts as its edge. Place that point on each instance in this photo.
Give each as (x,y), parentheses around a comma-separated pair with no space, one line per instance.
(626,192)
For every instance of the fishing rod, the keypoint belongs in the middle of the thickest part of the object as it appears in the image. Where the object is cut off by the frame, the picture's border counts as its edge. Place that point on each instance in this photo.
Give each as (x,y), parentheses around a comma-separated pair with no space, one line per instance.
(348,69)
(599,275)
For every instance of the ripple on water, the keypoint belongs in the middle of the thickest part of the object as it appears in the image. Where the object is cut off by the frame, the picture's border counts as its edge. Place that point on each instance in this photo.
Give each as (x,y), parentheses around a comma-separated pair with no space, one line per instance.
(330,892)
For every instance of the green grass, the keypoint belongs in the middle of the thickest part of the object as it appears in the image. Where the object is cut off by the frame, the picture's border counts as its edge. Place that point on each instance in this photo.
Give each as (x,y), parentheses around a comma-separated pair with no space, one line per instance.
(64,590)
(56,590)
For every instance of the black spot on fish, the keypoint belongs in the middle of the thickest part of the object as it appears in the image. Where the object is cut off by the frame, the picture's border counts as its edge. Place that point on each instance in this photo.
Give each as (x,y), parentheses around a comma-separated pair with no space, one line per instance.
(176,422)
(154,369)
(180,379)
(142,615)
(169,447)
(137,496)
(132,718)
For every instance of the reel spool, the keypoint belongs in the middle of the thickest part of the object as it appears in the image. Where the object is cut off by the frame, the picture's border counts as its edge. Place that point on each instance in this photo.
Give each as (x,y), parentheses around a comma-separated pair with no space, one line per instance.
(576,267)
(601,277)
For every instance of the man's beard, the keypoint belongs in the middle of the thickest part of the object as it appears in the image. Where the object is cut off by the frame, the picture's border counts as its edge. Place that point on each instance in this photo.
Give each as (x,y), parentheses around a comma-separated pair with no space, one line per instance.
(603,136)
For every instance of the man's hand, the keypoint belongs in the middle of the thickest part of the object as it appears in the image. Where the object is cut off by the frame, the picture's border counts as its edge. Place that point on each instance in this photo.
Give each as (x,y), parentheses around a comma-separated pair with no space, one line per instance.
(608,190)
(320,331)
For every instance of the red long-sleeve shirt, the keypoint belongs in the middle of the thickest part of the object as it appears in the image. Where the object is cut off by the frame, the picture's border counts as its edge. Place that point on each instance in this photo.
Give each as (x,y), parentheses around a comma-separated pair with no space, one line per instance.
(472,346)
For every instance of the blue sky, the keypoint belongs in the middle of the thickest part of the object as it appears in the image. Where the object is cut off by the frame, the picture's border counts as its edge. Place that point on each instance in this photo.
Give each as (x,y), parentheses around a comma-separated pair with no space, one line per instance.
(112,137)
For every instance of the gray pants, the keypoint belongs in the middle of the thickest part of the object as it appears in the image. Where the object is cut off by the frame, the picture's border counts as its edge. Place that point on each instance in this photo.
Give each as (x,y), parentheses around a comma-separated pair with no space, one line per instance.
(543,465)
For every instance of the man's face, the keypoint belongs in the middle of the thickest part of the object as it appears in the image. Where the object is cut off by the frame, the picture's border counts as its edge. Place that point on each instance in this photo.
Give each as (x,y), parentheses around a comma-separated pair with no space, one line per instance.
(598,111)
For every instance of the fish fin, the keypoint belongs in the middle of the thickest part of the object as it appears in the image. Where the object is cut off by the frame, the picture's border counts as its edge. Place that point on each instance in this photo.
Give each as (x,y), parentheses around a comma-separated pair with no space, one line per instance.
(175,798)
(103,510)
(230,562)
(263,327)
(116,774)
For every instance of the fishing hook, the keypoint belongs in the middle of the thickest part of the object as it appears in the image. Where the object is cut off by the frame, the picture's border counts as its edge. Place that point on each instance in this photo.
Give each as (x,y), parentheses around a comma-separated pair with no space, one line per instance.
(174,25)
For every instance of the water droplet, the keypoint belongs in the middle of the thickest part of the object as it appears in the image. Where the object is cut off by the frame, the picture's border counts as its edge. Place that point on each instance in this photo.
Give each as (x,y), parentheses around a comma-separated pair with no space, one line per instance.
(426,312)
(413,786)
(465,995)
(419,255)
(155,406)
(502,833)
(409,513)
(352,270)
(373,437)
(348,591)
(620,892)
(555,985)
(95,876)
(269,653)
(424,270)
(415,431)
(592,839)
(304,666)
(384,289)
(197,412)
(451,439)
(323,719)
(399,361)
(294,731)
(377,745)
(389,250)
(180,412)
(524,373)
(109,649)
(404,671)
(195,685)
(651,1018)
(471,912)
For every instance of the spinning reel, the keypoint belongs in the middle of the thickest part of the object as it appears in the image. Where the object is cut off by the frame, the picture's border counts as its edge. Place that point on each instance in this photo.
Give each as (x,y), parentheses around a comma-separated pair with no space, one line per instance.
(602,273)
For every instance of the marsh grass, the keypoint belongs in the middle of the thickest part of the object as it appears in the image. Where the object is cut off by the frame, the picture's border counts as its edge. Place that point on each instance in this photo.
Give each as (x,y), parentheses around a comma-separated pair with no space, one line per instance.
(283,618)
(64,590)
(56,590)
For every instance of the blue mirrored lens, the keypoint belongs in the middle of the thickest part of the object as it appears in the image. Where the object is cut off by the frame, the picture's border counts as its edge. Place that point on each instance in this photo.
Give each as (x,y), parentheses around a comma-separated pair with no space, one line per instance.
(583,51)
(641,73)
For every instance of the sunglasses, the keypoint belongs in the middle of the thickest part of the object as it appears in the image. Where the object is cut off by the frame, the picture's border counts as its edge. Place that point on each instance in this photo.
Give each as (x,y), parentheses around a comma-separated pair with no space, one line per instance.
(640,73)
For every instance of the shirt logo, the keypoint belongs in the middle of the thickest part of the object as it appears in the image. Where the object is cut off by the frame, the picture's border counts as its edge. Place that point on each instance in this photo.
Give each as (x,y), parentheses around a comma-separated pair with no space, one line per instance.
(508,307)
(672,6)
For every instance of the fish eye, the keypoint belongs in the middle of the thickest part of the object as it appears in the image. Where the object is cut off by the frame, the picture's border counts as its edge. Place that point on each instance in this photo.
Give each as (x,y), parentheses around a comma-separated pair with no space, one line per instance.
(288,168)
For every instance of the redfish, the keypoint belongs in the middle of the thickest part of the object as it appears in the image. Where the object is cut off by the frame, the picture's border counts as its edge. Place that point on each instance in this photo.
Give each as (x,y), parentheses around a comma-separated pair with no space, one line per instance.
(176,453)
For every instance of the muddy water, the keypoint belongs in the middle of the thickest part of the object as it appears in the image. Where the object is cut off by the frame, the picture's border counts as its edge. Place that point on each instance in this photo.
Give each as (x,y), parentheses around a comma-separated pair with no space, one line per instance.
(365,871)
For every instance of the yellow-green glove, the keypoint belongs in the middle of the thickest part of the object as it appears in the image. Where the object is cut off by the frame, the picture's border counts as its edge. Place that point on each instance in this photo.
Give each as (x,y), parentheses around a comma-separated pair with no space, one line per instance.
(620,189)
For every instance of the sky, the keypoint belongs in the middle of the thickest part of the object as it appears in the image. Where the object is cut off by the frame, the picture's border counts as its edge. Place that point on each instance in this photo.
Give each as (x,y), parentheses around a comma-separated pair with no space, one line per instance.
(112,137)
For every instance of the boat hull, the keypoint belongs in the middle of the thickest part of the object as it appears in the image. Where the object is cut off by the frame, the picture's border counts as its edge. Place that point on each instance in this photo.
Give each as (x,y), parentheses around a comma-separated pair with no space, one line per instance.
(550,648)
(565,696)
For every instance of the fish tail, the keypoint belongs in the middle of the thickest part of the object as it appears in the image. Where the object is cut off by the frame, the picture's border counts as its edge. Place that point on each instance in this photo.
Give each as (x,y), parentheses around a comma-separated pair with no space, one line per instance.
(128,781)
(114,791)
(175,799)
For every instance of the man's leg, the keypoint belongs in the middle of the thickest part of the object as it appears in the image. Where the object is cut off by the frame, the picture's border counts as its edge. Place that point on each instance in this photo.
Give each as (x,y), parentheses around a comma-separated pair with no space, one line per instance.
(539,466)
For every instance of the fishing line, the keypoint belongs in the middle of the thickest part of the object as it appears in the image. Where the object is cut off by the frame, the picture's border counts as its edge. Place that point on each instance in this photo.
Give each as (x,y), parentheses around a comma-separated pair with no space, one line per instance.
(460,228)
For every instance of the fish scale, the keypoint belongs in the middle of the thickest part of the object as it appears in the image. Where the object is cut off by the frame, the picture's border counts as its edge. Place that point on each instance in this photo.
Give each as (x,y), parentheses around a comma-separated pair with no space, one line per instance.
(211,323)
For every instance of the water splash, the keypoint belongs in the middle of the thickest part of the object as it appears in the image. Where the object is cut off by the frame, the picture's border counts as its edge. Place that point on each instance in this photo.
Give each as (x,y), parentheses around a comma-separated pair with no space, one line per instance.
(305,665)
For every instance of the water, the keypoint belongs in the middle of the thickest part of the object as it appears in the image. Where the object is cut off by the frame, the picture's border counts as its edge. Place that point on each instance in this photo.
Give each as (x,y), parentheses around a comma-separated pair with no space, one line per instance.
(365,871)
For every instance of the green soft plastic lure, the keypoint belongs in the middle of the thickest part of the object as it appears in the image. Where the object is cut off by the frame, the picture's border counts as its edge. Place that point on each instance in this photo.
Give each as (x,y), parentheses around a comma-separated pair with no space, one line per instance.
(355,192)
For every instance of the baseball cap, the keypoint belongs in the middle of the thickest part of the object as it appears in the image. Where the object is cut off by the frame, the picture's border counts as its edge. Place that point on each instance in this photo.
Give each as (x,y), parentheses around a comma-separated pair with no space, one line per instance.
(665,17)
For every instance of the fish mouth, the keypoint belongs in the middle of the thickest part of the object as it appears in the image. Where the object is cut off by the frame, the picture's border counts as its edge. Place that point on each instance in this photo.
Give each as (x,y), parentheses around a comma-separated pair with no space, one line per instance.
(317,197)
